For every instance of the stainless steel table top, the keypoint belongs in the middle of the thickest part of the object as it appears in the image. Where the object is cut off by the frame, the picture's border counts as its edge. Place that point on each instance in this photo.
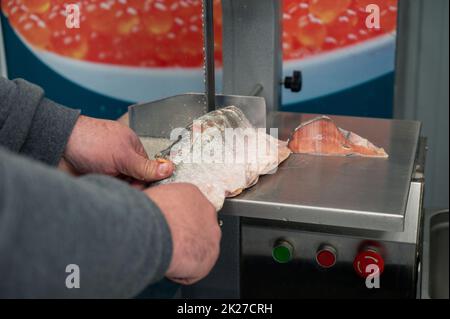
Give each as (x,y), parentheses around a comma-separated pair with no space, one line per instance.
(355,192)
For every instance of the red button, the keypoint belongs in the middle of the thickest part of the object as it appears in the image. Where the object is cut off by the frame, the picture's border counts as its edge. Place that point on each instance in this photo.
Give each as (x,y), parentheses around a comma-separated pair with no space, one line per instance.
(326,257)
(366,258)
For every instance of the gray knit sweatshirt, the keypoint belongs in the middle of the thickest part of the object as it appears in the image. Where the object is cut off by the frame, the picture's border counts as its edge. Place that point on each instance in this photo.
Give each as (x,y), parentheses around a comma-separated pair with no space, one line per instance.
(117,238)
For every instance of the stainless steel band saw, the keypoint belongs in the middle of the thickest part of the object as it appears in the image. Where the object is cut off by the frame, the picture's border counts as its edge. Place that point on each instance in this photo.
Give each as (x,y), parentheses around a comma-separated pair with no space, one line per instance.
(306,231)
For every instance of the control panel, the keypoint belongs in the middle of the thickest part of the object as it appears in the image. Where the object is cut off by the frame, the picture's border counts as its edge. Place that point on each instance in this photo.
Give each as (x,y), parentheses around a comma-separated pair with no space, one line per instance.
(290,263)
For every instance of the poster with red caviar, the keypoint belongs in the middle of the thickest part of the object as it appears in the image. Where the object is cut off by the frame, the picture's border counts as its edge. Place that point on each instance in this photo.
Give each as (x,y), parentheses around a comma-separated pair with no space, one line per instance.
(141,50)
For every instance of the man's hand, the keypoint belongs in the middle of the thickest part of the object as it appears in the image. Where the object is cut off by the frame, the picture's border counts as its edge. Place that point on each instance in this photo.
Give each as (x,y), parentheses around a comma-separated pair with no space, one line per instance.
(111,148)
(195,231)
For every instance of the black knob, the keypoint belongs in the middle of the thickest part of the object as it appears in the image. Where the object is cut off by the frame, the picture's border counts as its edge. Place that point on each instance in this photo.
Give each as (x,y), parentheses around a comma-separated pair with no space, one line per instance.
(294,82)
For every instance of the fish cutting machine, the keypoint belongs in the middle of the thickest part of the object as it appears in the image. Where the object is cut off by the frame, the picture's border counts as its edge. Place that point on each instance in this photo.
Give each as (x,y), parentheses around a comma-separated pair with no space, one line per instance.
(313,228)
(344,227)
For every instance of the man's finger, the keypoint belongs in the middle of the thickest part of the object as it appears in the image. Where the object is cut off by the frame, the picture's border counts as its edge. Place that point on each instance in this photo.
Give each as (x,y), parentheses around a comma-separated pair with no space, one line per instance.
(143,169)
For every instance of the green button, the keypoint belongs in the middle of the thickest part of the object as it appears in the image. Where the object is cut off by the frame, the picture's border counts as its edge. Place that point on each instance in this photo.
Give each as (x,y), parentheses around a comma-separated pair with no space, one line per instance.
(282,252)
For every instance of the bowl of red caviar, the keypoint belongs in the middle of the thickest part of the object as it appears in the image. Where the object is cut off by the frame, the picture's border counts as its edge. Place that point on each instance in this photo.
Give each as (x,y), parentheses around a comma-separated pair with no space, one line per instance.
(137,50)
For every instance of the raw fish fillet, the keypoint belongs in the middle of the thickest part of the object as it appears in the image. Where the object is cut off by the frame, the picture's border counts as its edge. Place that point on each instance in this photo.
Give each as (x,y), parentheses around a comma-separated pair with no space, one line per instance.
(321,136)
(218,179)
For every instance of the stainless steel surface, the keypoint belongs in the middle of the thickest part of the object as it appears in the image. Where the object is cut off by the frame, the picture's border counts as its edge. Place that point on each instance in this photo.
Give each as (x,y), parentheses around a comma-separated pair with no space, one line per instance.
(252,48)
(419,173)
(159,118)
(208,46)
(256,90)
(361,193)
(410,234)
(435,258)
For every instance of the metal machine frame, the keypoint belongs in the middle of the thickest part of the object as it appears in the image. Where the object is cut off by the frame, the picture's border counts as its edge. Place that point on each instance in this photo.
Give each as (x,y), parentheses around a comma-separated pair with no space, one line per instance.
(358,208)
(252,59)
(253,64)
(3,67)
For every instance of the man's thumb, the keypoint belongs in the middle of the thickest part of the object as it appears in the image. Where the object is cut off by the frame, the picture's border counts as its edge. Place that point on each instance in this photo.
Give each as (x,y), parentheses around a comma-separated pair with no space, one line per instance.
(143,169)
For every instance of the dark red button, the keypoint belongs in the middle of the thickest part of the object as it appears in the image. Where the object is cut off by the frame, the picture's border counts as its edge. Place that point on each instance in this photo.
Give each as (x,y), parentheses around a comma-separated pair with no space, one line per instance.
(366,258)
(326,257)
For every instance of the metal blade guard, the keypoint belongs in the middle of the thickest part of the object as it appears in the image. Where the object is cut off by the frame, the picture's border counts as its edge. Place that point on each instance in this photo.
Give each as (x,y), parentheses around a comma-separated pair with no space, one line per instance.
(158,119)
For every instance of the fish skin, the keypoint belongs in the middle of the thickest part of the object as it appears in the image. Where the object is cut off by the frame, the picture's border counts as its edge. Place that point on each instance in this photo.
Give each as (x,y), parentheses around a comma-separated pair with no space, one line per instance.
(218,181)
(321,136)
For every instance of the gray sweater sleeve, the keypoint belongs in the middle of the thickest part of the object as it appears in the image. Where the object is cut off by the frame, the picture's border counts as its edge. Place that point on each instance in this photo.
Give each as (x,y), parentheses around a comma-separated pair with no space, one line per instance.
(32,125)
(48,220)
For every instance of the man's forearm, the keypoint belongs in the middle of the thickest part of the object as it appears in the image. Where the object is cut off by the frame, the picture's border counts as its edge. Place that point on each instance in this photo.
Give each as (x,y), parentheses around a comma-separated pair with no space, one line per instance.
(48,220)
(32,125)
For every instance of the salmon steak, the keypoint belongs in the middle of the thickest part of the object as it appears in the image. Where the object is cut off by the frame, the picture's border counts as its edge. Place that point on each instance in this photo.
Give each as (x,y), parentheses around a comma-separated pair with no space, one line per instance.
(321,136)
(223,154)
